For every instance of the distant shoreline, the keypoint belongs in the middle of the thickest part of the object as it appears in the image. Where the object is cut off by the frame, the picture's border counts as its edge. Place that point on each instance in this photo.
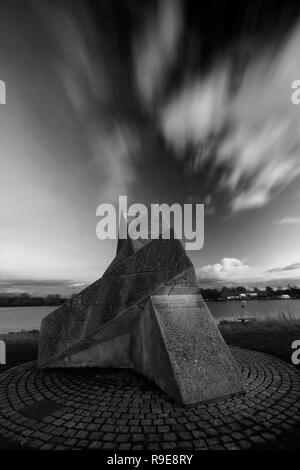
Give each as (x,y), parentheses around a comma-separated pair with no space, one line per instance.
(26,318)
(25,300)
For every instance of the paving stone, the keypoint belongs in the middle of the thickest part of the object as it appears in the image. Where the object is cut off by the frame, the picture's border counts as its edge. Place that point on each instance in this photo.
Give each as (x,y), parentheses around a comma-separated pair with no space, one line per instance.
(120,410)
(95,445)
(169,445)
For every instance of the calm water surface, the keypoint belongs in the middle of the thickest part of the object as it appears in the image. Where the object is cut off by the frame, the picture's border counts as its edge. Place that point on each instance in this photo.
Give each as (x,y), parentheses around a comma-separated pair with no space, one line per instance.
(28,318)
(261,309)
(22,318)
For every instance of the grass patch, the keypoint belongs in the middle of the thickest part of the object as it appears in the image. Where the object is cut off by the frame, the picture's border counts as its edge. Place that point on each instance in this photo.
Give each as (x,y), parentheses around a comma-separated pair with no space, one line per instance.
(21,346)
(272,336)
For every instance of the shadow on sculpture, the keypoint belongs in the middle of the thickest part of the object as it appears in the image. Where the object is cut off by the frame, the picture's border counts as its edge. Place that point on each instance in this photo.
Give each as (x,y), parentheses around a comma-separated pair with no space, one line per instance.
(145,313)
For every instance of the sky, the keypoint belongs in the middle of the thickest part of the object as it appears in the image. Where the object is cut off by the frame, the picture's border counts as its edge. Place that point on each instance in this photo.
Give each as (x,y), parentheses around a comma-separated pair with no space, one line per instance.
(166,101)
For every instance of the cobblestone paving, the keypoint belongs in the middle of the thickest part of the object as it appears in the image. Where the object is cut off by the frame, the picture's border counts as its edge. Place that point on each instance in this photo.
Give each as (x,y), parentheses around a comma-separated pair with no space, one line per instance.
(119,409)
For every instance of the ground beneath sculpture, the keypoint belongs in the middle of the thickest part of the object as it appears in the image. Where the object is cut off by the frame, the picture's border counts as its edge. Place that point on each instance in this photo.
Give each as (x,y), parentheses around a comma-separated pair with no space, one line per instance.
(119,409)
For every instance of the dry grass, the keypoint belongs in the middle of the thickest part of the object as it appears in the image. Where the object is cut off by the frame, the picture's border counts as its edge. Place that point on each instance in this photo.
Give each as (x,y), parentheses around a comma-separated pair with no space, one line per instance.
(21,346)
(273,336)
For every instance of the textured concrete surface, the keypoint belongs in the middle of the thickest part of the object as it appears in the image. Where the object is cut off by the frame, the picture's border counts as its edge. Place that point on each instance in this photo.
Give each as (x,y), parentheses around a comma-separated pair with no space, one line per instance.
(132,281)
(119,409)
(200,360)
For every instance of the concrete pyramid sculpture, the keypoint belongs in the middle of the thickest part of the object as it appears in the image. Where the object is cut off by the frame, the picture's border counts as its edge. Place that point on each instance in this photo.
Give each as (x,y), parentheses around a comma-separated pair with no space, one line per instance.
(145,313)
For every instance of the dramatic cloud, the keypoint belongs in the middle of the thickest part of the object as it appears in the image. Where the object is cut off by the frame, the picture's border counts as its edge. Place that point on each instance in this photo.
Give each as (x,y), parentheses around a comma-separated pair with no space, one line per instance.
(155,49)
(251,119)
(234,271)
(238,118)
(227,269)
(156,100)
(88,74)
(288,221)
(289,267)
(197,112)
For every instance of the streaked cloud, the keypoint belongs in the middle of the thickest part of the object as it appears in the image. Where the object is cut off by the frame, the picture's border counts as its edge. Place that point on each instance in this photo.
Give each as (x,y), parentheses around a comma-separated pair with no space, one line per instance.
(289,267)
(36,286)
(288,221)
(250,119)
(88,85)
(197,112)
(155,48)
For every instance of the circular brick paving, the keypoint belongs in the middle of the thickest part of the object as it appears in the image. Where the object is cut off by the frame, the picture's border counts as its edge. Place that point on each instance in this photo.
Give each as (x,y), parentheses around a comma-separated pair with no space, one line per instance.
(119,409)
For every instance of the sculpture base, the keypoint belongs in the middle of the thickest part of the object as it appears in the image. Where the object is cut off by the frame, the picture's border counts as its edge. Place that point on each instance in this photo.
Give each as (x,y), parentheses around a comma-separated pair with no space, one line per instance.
(118,409)
(172,340)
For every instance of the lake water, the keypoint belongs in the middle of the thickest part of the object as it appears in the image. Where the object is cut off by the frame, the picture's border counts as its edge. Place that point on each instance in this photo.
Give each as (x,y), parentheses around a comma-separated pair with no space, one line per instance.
(29,318)
(22,318)
(260,309)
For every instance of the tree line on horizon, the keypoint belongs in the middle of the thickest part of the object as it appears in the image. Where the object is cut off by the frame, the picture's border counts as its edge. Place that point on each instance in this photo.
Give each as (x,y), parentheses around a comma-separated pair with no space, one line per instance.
(27,300)
(267,293)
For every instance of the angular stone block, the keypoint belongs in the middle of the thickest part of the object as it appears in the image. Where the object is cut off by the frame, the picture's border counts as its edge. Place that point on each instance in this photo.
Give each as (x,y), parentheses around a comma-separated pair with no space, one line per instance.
(128,283)
(199,358)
